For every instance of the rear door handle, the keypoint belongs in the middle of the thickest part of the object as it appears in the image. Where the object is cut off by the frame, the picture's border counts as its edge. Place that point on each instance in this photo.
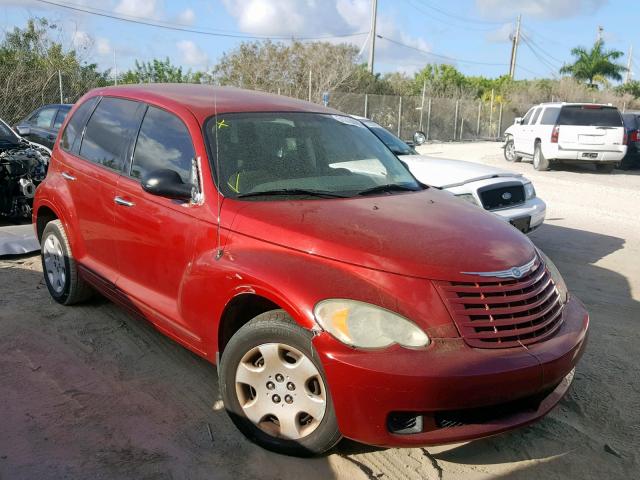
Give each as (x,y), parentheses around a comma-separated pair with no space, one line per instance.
(66,176)
(123,202)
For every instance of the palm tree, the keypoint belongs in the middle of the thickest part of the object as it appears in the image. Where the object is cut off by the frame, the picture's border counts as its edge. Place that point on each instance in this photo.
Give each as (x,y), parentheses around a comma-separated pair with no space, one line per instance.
(595,64)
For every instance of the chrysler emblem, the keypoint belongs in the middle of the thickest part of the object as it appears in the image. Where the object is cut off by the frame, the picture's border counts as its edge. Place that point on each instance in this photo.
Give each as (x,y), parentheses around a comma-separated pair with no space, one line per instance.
(506,196)
(513,272)
(516,272)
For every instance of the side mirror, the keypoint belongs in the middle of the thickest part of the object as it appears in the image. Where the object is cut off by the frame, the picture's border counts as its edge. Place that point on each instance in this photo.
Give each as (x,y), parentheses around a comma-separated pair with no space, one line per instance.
(23,130)
(419,138)
(166,183)
(517,121)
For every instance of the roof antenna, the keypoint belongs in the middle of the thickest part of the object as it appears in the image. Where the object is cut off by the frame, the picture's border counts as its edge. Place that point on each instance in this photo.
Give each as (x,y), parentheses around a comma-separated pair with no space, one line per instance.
(219,251)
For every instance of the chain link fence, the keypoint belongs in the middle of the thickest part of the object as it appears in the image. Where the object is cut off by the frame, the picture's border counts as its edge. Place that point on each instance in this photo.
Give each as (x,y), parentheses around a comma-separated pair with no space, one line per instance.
(441,119)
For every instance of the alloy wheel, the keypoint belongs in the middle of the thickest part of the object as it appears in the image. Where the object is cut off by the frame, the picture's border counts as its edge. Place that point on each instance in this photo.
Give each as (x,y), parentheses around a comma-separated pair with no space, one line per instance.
(54,263)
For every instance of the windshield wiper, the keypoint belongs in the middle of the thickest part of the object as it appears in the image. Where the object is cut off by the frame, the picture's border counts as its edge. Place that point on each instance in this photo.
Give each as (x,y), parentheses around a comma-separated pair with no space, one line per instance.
(292,191)
(391,187)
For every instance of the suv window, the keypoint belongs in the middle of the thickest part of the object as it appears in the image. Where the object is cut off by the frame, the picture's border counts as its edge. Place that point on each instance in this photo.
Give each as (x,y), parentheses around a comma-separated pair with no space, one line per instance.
(163,142)
(44,117)
(590,115)
(630,120)
(525,120)
(108,132)
(74,128)
(536,114)
(550,116)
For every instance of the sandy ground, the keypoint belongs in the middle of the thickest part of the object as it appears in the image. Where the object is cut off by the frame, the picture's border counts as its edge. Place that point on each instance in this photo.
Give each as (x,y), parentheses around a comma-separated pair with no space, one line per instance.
(89,392)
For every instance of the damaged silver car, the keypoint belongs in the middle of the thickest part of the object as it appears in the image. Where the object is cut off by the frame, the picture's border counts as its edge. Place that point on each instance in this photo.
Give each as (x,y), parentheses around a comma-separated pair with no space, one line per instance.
(23,165)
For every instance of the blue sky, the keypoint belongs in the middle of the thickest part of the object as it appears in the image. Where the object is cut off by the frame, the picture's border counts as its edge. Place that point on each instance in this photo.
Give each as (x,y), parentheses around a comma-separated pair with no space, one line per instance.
(465,31)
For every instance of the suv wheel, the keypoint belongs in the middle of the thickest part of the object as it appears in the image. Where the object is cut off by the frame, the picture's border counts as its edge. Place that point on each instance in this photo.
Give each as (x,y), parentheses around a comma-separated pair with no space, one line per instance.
(605,167)
(539,162)
(510,151)
(60,268)
(274,389)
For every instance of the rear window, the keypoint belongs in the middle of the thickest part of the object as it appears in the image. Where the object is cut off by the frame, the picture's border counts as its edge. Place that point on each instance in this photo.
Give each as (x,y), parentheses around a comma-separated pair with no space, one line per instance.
(590,116)
(550,116)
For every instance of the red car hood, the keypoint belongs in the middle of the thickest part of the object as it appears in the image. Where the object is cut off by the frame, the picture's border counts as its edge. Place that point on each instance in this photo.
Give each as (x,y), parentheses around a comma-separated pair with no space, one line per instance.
(426,234)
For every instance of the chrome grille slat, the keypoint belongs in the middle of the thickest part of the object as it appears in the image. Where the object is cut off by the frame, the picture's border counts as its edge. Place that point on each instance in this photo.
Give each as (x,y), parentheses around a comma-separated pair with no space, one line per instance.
(505,313)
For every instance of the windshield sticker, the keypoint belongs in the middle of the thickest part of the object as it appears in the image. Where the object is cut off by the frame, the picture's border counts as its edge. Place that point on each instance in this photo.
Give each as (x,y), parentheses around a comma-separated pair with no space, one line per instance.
(348,121)
(222,124)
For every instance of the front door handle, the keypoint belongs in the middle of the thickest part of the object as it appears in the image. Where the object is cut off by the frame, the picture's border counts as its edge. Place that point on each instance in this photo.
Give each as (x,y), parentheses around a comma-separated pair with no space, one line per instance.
(66,176)
(123,202)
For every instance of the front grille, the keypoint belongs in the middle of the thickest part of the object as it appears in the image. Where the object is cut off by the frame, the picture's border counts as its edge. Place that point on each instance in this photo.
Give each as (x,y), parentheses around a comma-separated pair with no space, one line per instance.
(505,313)
(501,195)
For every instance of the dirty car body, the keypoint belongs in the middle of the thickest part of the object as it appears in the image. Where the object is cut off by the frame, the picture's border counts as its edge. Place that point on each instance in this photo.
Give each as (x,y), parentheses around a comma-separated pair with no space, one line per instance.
(335,302)
(23,165)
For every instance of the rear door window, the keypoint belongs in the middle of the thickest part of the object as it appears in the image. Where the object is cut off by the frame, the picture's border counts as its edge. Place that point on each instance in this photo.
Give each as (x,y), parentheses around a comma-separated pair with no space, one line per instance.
(163,142)
(109,132)
(60,116)
(590,116)
(74,128)
(550,116)
(536,114)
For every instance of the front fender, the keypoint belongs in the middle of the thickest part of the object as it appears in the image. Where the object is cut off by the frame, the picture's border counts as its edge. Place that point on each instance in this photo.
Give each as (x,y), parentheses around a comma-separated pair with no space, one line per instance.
(296,281)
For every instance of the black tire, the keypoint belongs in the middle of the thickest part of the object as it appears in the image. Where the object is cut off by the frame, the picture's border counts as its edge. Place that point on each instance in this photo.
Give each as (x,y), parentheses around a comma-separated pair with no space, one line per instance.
(539,162)
(74,289)
(275,326)
(509,151)
(605,167)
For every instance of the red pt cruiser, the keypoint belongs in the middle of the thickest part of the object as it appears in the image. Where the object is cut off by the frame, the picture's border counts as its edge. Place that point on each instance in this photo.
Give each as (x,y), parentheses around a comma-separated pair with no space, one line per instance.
(284,242)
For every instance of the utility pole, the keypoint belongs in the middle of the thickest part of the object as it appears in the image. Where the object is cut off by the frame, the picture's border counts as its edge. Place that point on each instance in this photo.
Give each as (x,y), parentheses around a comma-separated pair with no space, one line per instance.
(514,49)
(115,68)
(372,33)
(599,34)
(628,77)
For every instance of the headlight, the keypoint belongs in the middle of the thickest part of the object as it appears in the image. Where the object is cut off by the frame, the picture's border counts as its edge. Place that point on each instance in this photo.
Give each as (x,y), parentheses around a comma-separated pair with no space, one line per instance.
(364,325)
(556,277)
(529,191)
(467,197)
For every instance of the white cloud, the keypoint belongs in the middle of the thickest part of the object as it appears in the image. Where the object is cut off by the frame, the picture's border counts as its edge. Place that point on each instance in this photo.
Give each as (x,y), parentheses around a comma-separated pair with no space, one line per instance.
(308,18)
(139,8)
(192,55)
(103,45)
(187,17)
(500,35)
(81,40)
(538,8)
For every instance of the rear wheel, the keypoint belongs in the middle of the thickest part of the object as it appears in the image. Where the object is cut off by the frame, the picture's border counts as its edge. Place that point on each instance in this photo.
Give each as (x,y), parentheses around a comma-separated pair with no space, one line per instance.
(539,162)
(605,167)
(274,389)
(60,268)
(510,151)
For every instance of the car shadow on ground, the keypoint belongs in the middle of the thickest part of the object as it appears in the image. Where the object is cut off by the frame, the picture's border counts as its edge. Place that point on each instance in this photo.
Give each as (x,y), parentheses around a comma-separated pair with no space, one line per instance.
(91,391)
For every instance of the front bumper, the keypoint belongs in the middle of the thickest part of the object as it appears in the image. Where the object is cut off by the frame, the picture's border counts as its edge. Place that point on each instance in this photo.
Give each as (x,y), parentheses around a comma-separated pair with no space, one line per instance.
(448,378)
(534,209)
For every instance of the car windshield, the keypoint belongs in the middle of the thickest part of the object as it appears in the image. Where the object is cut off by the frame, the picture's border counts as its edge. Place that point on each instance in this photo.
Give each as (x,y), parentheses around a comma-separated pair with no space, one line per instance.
(394,144)
(7,135)
(268,155)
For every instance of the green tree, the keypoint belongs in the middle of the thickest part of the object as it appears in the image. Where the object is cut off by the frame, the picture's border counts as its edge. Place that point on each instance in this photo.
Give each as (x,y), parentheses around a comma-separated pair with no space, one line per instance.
(595,64)
(160,71)
(632,88)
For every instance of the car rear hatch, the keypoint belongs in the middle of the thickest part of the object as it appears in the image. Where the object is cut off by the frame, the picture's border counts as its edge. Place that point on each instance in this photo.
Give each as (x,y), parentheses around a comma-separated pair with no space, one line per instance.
(590,128)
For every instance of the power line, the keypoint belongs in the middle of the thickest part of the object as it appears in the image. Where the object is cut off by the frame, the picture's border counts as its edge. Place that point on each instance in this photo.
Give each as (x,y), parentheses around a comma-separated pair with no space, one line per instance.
(183,28)
(444,57)
(431,17)
(545,62)
(461,18)
(542,50)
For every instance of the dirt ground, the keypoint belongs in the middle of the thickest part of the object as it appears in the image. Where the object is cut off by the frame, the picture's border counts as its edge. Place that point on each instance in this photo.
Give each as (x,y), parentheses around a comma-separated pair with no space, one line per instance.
(90,392)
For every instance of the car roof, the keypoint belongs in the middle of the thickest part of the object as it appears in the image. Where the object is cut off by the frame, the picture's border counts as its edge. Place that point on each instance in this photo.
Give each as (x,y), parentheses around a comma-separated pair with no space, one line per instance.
(562,104)
(205,100)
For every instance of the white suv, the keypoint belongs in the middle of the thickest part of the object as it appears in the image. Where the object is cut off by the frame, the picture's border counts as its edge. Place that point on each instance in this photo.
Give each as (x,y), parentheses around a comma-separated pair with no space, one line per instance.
(578,132)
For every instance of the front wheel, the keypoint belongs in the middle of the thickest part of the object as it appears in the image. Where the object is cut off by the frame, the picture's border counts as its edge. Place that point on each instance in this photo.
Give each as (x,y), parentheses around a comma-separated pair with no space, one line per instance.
(510,151)
(540,163)
(274,389)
